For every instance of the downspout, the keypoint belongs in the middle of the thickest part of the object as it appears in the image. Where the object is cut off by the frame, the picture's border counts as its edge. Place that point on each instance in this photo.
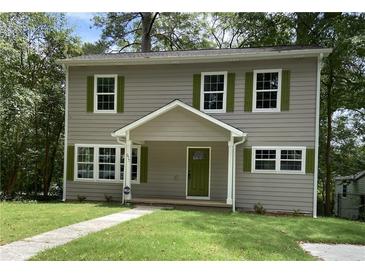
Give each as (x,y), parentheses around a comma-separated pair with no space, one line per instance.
(65,67)
(244,137)
(315,175)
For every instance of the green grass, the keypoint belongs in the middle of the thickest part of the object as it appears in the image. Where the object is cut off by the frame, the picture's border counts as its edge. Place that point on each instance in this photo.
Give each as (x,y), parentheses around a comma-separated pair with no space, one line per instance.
(20,220)
(193,235)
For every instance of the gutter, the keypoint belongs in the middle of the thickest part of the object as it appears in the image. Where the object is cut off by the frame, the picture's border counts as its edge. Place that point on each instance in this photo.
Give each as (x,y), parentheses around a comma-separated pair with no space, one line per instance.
(316,145)
(65,67)
(244,138)
(197,58)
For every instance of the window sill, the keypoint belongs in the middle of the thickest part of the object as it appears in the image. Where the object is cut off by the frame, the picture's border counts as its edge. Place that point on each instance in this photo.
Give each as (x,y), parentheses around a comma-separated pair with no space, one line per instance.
(278,172)
(105,112)
(213,111)
(266,110)
(98,181)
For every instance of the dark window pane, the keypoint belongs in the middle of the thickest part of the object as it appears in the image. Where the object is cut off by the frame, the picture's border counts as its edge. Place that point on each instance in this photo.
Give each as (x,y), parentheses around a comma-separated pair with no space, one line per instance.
(290,165)
(105,102)
(85,171)
(105,85)
(265,165)
(206,86)
(260,77)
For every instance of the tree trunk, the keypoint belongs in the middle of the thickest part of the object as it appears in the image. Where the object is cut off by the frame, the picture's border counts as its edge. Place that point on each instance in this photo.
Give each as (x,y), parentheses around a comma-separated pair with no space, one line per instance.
(305,22)
(146,33)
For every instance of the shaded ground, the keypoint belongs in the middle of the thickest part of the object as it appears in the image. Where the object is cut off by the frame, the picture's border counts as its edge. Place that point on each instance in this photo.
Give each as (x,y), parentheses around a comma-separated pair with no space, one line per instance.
(193,235)
(20,220)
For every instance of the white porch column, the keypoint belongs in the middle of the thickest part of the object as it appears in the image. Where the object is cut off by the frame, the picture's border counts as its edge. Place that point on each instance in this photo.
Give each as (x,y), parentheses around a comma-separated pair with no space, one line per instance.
(127,167)
(230,171)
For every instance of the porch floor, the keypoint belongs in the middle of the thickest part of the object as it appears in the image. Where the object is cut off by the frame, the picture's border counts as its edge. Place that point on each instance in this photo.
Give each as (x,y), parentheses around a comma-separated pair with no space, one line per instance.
(182,202)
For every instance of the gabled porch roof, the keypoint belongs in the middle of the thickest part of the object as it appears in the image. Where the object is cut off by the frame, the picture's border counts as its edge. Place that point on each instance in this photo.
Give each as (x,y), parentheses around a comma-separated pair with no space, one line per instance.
(171,106)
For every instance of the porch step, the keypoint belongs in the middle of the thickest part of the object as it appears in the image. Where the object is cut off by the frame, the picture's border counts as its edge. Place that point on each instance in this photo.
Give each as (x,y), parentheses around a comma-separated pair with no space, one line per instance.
(180,202)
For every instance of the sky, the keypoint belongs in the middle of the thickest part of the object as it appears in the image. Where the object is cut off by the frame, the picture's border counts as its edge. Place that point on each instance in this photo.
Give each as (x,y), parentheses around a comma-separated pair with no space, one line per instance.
(83,26)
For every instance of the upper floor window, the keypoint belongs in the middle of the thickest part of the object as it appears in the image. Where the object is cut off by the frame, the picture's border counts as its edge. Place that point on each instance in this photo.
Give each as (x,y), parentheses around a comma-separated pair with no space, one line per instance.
(278,159)
(213,92)
(105,93)
(266,90)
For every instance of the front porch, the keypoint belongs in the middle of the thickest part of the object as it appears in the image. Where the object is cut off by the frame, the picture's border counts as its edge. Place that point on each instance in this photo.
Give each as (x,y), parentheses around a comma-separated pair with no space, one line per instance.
(188,155)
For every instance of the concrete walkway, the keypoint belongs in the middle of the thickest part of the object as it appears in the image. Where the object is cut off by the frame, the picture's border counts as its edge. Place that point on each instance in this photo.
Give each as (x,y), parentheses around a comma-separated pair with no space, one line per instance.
(25,249)
(336,252)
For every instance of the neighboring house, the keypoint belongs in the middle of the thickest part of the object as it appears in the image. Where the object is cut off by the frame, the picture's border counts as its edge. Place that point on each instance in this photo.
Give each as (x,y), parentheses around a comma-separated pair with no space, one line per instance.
(350,196)
(225,127)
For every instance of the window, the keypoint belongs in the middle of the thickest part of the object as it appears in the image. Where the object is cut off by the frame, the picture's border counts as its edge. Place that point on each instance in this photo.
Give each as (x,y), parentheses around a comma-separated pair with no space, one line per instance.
(107,163)
(105,93)
(278,159)
(101,162)
(291,160)
(85,162)
(344,191)
(266,96)
(134,165)
(265,159)
(213,91)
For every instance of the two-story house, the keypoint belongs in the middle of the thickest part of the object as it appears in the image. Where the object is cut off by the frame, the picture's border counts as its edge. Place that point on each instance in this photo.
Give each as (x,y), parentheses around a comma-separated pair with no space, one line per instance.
(225,127)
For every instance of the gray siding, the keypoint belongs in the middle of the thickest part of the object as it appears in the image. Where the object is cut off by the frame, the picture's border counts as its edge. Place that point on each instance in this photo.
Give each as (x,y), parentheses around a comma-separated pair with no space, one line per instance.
(149,87)
(166,174)
(179,124)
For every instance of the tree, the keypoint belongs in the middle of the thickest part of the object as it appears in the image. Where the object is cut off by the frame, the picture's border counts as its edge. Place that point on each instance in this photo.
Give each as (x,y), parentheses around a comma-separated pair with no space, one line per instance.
(32,99)
(153,31)
(342,78)
(98,47)
(237,30)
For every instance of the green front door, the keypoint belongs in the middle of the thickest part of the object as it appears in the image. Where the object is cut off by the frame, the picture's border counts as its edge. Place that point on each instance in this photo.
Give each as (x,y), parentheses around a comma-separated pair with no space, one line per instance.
(198,172)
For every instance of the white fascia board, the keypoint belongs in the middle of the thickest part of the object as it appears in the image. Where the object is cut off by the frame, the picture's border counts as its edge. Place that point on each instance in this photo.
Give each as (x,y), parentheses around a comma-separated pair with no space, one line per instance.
(122,132)
(231,57)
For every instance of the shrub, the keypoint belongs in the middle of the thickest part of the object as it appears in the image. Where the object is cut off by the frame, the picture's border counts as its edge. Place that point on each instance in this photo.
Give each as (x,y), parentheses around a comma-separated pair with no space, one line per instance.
(81,198)
(108,198)
(259,208)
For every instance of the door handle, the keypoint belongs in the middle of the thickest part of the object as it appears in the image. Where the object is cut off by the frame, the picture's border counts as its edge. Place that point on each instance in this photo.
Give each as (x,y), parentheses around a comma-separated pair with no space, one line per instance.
(189,175)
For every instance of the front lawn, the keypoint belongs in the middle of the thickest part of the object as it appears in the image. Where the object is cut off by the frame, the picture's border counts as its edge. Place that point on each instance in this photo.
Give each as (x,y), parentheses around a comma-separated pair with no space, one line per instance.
(20,220)
(193,235)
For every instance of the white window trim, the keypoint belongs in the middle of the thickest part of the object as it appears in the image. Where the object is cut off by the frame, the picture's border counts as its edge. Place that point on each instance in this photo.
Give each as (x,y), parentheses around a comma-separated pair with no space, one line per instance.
(278,102)
(96,178)
(223,110)
(96,76)
(278,159)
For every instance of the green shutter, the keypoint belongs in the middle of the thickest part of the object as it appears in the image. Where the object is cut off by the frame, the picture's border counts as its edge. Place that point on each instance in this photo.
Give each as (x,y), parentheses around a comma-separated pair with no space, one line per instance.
(247,155)
(144,164)
(196,91)
(70,163)
(285,90)
(90,94)
(230,92)
(309,160)
(120,94)
(248,91)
